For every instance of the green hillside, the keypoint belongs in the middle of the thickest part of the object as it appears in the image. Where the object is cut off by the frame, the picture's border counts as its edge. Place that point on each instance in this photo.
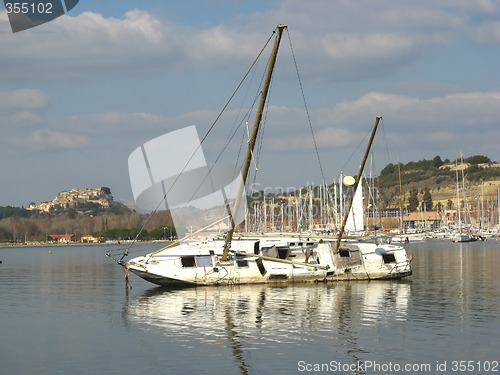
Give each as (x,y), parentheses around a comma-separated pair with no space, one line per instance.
(437,179)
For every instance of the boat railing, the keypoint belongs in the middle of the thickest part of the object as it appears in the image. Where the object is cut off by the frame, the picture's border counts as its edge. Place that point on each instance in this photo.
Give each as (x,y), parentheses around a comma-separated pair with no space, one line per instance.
(401,267)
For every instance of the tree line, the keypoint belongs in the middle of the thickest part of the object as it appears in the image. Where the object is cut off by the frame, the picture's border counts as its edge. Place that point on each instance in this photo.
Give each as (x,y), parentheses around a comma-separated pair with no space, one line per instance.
(18,225)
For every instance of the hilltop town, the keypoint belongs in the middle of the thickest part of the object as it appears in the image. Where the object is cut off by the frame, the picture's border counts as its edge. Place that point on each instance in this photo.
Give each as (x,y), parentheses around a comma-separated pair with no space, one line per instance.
(75,198)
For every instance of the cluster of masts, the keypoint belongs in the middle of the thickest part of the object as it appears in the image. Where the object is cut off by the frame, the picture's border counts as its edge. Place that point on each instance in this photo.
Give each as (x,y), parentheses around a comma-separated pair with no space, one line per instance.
(309,209)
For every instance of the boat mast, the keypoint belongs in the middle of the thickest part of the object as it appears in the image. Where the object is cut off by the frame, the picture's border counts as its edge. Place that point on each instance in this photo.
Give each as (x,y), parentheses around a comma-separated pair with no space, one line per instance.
(466,205)
(401,199)
(458,200)
(356,183)
(253,136)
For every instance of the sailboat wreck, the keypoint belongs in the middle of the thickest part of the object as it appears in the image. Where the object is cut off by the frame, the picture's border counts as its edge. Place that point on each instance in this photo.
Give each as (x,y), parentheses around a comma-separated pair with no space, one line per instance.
(245,258)
(257,260)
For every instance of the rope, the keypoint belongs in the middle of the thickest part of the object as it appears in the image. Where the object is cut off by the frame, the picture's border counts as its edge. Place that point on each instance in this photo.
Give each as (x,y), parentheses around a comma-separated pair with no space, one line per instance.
(260,140)
(355,150)
(385,143)
(201,142)
(245,133)
(305,105)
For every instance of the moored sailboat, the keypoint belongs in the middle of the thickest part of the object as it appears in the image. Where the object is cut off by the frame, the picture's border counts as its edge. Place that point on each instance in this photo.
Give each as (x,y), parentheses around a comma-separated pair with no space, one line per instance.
(254,259)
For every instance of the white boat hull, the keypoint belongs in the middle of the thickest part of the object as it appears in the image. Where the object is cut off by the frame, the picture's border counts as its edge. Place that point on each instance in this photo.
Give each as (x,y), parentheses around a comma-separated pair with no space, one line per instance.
(265,261)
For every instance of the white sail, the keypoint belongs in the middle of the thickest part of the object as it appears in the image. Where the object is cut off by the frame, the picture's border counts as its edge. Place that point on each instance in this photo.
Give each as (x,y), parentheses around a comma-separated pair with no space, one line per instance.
(355,220)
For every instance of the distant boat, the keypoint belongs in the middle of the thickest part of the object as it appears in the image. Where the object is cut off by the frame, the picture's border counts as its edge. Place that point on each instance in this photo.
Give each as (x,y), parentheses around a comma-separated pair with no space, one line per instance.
(269,258)
(463,237)
(408,238)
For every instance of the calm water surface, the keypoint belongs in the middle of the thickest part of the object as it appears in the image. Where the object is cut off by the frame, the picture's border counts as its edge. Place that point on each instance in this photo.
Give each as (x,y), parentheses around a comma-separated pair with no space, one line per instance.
(66,310)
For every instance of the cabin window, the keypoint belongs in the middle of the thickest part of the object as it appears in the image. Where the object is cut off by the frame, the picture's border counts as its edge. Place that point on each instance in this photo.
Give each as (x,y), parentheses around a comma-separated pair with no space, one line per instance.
(188,261)
(283,252)
(271,252)
(256,248)
(204,261)
(389,257)
(242,263)
(344,253)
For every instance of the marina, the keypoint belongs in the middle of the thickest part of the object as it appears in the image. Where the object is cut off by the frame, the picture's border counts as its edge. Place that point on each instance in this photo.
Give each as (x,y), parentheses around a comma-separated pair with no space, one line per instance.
(69,311)
(257,224)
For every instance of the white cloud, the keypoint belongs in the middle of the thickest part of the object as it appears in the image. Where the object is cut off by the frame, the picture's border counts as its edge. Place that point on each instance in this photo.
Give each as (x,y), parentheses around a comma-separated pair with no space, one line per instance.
(457,110)
(325,139)
(22,100)
(489,32)
(410,121)
(344,124)
(52,140)
(357,47)
(136,25)
(365,37)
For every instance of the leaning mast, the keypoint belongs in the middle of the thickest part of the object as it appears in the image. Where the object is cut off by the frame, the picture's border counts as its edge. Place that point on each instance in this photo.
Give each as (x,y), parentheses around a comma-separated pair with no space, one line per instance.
(356,183)
(253,136)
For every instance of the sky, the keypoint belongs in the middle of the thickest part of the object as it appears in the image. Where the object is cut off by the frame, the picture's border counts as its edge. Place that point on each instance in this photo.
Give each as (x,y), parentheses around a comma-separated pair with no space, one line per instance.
(79,94)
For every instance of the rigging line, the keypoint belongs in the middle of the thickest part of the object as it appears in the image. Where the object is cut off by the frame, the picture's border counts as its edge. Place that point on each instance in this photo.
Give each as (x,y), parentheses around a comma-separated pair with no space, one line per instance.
(354,151)
(305,105)
(255,158)
(204,138)
(231,136)
(222,111)
(239,150)
(385,142)
(245,134)
(219,116)
(263,128)
(247,114)
(226,145)
(234,92)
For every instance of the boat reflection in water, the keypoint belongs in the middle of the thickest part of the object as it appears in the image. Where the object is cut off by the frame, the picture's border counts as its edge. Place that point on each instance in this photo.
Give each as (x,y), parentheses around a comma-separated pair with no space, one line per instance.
(284,317)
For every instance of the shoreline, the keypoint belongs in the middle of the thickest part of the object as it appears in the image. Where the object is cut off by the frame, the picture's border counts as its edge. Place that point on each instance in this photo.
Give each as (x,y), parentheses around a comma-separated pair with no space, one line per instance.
(56,244)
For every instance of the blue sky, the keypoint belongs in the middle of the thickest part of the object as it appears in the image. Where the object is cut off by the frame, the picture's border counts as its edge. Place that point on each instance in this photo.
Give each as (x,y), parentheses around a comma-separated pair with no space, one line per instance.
(79,94)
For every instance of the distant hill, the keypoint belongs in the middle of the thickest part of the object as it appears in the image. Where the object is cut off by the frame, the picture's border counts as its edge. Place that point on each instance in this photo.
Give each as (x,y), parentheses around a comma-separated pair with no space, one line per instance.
(478,174)
(80,212)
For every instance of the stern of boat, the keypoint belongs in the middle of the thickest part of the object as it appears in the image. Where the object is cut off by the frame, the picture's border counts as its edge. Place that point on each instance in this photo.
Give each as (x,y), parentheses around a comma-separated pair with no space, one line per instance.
(386,261)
